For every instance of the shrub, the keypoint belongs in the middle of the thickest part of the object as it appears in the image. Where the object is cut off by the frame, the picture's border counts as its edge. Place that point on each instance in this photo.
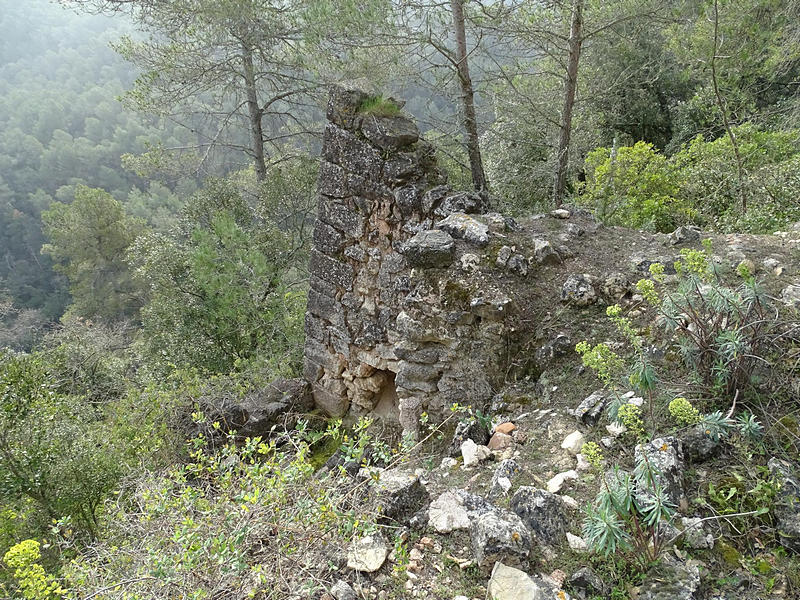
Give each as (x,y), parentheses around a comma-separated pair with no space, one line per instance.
(31,579)
(683,412)
(248,520)
(635,186)
(627,515)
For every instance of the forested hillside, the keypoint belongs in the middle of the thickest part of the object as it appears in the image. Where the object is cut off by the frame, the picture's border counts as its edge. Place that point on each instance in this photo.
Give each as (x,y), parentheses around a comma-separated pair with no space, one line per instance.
(162,168)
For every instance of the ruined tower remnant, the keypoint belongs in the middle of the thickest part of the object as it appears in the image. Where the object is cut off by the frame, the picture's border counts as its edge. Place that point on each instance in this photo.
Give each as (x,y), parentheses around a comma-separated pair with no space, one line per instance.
(397,322)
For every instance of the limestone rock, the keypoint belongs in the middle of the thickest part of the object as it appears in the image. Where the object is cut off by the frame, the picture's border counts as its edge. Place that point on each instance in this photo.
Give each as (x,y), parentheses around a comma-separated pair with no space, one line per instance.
(577,543)
(518,264)
(544,253)
(667,459)
(506,427)
(790,295)
(464,227)
(695,535)
(591,408)
(556,484)
(684,235)
(499,535)
(671,580)
(501,480)
(500,441)
(468,430)
(587,584)
(401,495)
(698,446)
(542,512)
(367,554)
(462,202)
(578,290)
(389,132)
(447,513)
(787,506)
(341,590)
(474,454)
(430,249)
(508,583)
(573,443)
(560,213)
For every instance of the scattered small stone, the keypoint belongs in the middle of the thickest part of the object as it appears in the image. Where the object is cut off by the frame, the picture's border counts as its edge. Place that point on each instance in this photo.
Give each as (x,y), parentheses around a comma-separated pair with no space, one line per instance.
(616,429)
(560,213)
(501,441)
(790,295)
(499,535)
(570,502)
(544,253)
(368,553)
(587,584)
(591,409)
(694,536)
(508,583)
(573,442)
(501,480)
(468,430)
(542,512)
(579,290)
(503,255)
(448,462)
(474,454)
(401,495)
(666,457)
(684,235)
(469,261)
(577,543)
(447,513)
(506,427)
(786,508)
(583,464)
(671,580)
(556,484)
(341,590)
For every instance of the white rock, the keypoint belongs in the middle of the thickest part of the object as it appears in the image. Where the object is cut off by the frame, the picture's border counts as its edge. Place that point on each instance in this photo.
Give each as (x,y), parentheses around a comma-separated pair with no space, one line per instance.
(367,554)
(583,464)
(473,453)
(508,583)
(560,213)
(569,501)
(573,442)
(447,513)
(557,483)
(577,543)
(616,429)
(448,463)
(504,483)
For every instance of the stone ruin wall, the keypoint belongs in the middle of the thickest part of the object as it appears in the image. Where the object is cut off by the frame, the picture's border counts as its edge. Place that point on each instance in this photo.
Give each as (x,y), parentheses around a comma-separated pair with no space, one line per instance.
(389,331)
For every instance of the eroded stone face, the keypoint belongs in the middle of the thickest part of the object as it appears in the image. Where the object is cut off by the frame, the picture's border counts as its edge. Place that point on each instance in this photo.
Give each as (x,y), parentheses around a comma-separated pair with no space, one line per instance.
(390,330)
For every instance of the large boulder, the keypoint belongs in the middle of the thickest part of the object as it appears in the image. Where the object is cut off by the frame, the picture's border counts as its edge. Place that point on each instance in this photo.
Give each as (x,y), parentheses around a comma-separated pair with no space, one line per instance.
(542,512)
(508,583)
(499,535)
(401,495)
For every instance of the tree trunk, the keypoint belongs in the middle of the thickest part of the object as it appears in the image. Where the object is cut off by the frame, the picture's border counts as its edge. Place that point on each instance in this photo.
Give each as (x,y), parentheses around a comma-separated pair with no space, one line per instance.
(723,108)
(467,98)
(255,114)
(570,85)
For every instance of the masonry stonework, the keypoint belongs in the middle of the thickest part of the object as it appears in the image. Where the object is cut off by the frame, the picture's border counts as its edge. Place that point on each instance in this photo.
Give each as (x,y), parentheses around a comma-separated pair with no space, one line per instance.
(392,326)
